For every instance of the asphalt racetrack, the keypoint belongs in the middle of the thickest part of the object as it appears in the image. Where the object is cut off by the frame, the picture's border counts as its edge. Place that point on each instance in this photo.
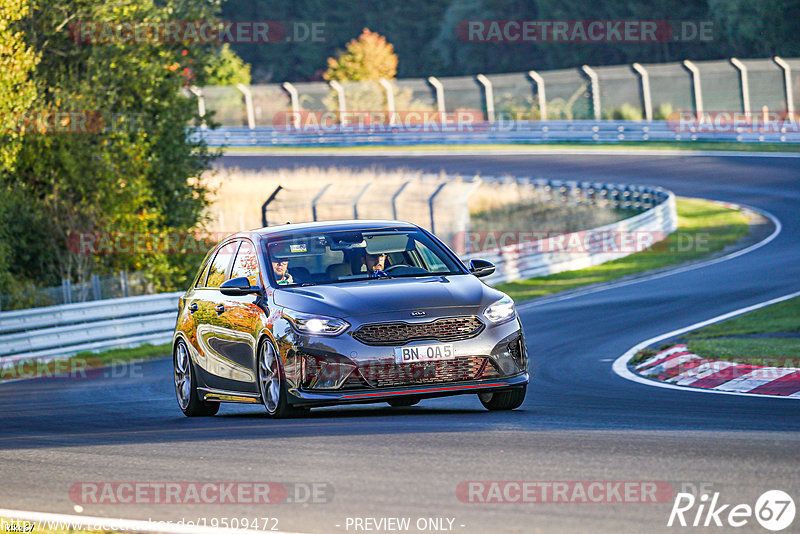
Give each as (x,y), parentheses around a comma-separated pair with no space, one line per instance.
(580,421)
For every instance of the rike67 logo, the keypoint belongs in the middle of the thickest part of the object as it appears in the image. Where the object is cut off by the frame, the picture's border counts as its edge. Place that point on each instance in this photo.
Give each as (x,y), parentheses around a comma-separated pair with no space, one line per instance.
(774,510)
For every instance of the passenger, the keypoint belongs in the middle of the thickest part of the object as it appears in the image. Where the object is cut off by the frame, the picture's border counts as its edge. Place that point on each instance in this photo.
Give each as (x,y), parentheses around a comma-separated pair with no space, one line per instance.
(281,269)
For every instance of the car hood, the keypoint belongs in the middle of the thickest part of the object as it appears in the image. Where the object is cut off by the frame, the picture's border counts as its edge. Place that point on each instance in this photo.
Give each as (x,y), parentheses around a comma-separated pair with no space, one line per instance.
(388,295)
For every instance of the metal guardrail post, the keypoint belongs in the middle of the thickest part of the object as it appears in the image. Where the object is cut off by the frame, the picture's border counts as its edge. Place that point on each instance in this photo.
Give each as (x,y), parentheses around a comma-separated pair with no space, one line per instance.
(430,205)
(787,82)
(201,104)
(595,84)
(264,220)
(394,198)
(488,96)
(389,101)
(540,91)
(697,90)
(294,100)
(96,287)
(123,282)
(336,86)
(745,86)
(358,197)
(647,101)
(316,199)
(66,290)
(248,102)
(439,92)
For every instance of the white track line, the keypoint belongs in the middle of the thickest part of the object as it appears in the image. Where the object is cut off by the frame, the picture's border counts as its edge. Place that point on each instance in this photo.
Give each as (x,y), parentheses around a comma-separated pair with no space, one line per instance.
(107,523)
(620,366)
(677,270)
(337,152)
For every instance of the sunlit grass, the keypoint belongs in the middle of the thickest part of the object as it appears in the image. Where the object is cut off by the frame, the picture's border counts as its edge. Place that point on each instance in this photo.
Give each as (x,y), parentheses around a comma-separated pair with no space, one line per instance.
(703,228)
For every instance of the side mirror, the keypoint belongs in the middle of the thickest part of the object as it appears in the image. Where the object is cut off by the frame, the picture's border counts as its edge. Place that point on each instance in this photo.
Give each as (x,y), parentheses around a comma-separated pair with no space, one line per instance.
(236,287)
(481,267)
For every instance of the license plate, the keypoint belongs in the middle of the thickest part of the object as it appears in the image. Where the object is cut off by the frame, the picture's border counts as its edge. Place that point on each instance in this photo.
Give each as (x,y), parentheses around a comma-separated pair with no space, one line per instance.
(424,353)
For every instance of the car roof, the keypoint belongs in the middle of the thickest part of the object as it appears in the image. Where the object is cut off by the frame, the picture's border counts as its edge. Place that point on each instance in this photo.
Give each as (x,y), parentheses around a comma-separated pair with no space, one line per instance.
(322,226)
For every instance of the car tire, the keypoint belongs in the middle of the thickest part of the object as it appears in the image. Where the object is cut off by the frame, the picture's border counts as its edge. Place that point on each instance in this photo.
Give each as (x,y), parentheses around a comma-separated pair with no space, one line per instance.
(185,376)
(403,403)
(272,384)
(505,399)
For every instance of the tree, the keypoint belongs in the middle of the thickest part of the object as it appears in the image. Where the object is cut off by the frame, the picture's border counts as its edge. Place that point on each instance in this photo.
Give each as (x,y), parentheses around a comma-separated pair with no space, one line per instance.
(137,168)
(369,57)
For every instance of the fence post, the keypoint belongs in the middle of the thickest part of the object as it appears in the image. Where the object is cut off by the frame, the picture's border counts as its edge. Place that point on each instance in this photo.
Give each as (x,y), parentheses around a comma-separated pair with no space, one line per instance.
(123,282)
(266,203)
(248,102)
(358,198)
(389,101)
(476,183)
(537,78)
(66,290)
(488,96)
(439,91)
(647,102)
(430,205)
(316,199)
(201,103)
(595,84)
(787,83)
(745,86)
(336,86)
(96,287)
(697,90)
(294,100)
(394,199)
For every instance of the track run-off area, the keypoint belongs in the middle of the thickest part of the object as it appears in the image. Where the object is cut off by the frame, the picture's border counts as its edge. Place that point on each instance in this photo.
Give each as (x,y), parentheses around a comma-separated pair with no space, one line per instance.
(581,421)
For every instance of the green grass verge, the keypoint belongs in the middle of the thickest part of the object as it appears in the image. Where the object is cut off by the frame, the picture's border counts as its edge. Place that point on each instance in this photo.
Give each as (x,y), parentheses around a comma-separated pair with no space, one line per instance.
(714,342)
(75,365)
(688,146)
(703,228)
(781,317)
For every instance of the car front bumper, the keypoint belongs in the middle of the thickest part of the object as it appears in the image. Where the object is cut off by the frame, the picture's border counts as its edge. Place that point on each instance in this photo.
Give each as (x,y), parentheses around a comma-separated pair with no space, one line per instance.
(425,391)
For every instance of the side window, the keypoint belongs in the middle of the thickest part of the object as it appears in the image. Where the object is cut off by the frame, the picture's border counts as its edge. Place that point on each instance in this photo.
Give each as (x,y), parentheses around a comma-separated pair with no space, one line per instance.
(433,263)
(218,268)
(200,279)
(246,264)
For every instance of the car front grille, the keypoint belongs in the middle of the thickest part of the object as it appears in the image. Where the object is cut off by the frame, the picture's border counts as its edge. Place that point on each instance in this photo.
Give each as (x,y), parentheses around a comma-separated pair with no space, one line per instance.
(399,333)
(457,370)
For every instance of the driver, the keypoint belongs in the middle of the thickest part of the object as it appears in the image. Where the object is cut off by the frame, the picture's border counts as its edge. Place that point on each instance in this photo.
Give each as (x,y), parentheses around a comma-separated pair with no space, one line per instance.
(374,262)
(281,269)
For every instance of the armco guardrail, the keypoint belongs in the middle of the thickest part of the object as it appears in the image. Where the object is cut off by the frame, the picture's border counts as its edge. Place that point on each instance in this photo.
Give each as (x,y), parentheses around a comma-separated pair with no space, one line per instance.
(510,132)
(554,254)
(61,331)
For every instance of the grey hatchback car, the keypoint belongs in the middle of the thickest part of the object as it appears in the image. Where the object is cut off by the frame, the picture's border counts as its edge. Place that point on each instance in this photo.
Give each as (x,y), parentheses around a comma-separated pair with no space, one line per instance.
(344,312)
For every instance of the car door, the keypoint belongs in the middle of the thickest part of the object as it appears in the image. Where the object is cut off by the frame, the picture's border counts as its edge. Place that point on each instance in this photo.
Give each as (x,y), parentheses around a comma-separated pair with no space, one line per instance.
(215,334)
(239,321)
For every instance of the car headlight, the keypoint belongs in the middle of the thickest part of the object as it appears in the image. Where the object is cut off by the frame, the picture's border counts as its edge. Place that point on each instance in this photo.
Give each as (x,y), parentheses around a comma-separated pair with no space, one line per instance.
(315,325)
(500,311)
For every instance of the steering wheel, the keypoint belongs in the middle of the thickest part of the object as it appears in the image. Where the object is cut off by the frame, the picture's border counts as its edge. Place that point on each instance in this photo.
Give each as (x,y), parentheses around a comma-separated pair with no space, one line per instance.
(395,266)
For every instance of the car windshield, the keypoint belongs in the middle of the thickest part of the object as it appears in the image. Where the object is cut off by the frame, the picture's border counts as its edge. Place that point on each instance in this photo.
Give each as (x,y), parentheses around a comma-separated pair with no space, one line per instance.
(342,256)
